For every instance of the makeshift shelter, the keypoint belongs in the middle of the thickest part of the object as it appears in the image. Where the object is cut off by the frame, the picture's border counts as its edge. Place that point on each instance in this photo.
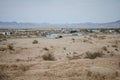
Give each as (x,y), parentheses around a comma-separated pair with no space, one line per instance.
(52,36)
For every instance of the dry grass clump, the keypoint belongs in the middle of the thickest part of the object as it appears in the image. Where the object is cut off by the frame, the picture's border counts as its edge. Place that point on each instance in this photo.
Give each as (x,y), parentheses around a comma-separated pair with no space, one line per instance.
(24,67)
(116,49)
(2,36)
(10,47)
(21,67)
(18,69)
(35,42)
(3,49)
(93,55)
(85,40)
(102,37)
(73,40)
(64,48)
(46,49)
(4,76)
(115,46)
(49,57)
(3,67)
(18,60)
(104,48)
(117,41)
(101,73)
(94,36)
(73,55)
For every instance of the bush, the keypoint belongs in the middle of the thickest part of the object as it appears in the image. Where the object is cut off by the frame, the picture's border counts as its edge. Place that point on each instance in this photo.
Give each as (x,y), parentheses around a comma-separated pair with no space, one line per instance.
(115,46)
(46,49)
(35,42)
(24,67)
(104,48)
(73,40)
(3,49)
(48,56)
(10,47)
(64,48)
(4,76)
(93,55)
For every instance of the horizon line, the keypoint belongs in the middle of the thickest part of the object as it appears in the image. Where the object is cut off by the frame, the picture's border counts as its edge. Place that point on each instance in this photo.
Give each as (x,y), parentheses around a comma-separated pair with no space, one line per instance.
(56,23)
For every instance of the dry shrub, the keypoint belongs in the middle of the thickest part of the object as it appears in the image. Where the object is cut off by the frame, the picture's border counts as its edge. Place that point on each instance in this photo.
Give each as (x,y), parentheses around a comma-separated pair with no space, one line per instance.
(101,73)
(94,36)
(85,40)
(115,46)
(48,56)
(4,76)
(3,67)
(14,67)
(3,49)
(93,55)
(116,49)
(24,67)
(117,41)
(111,54)
(20,67)
(108,51)
(102,37)
(18,60)
(72,56)
(35,42)
(73,40)
(64,48)
(10,47)
(46,49)
(104,48)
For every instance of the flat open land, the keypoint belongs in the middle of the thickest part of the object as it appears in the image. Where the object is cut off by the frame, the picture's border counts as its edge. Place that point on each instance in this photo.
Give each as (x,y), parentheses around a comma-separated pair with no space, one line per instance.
(88,57)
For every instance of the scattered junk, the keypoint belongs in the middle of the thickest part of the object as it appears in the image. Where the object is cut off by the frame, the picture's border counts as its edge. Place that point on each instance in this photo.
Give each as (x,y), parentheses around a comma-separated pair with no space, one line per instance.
(6,33)
(53,36)
(111,31)
(96,31)
(44,34)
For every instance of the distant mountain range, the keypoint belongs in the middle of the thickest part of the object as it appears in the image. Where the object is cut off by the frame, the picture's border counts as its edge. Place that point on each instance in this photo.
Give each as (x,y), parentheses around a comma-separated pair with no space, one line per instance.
(115,24)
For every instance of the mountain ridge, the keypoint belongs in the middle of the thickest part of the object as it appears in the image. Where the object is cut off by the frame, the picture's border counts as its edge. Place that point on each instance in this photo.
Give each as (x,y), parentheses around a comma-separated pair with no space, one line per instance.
(115,24)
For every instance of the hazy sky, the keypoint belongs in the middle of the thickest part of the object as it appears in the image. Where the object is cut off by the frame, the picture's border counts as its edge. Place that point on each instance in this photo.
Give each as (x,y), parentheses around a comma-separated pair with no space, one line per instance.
(60,11)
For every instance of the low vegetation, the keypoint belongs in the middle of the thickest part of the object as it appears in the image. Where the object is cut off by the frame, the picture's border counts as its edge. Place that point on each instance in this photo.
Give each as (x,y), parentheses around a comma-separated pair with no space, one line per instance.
(93,55)
(2,36)
(46,49)
(64,48)
(48,56)
(35,42)
(10,47)
(73,40)
(24,67)
(104,48)
(115,46)
(4,76)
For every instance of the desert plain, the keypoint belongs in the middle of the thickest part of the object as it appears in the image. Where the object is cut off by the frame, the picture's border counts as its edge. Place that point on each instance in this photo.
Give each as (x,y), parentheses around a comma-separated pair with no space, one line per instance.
(88,57)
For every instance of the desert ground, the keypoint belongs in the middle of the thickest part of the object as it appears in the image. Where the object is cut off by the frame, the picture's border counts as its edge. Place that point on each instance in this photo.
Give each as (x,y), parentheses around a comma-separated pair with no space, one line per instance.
(88,57)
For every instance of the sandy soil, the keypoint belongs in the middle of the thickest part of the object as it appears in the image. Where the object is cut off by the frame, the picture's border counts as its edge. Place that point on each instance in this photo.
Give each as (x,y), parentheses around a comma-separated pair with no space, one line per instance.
(24,61)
